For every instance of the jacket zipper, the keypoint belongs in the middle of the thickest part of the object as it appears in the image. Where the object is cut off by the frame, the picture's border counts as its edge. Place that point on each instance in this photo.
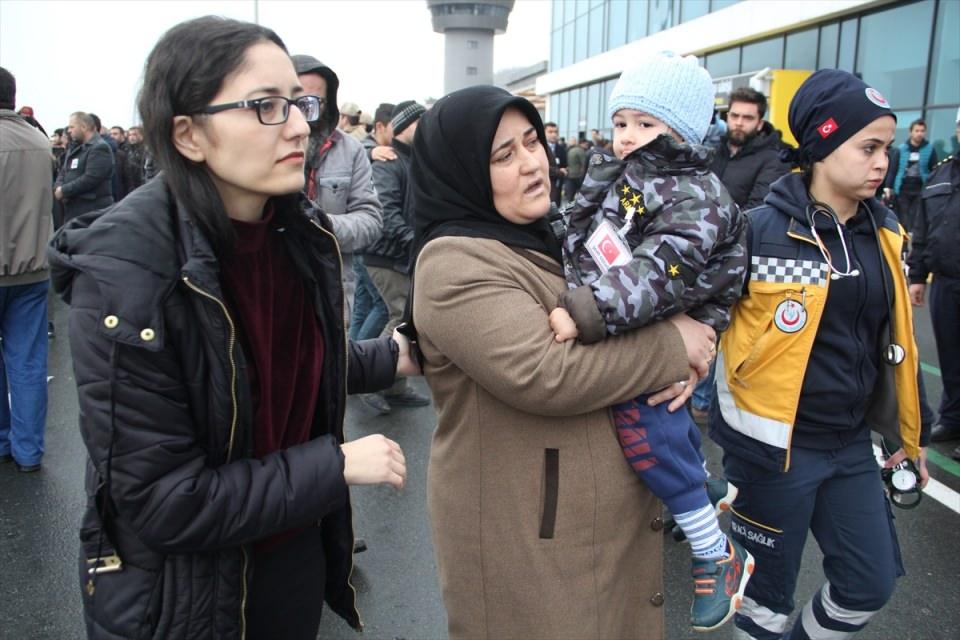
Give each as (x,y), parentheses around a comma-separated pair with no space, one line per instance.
(343,408)
(233,431)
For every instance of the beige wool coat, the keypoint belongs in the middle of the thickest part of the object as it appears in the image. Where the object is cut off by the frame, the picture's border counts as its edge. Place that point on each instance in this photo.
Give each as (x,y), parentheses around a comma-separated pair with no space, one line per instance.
(540,528)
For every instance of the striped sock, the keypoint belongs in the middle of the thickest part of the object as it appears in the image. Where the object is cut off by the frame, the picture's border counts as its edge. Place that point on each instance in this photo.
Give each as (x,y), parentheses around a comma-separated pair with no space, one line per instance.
(703,531)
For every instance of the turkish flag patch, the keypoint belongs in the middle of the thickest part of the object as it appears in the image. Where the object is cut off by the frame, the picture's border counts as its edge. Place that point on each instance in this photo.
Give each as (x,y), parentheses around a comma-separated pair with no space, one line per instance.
(827,128)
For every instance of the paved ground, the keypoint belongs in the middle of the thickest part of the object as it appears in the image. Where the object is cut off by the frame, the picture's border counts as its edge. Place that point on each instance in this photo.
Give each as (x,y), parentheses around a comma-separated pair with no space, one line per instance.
(398,592)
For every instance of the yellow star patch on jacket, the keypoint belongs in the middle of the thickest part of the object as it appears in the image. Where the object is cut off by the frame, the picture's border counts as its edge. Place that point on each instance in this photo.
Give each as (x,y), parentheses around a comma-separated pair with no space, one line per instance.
(673,270)
(635,200)
(626,190)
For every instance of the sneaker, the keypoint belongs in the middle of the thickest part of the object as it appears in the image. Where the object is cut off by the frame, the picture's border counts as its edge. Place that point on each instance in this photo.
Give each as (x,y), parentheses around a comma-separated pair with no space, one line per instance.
(28,468)
(408,398)
(721,494)
(718,587)
(376,402)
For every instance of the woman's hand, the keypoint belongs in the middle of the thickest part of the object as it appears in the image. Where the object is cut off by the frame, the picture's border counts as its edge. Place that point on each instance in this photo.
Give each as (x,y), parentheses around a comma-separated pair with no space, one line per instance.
(374,460)
(679,392)
(921,465)
(407,364)
(699,339)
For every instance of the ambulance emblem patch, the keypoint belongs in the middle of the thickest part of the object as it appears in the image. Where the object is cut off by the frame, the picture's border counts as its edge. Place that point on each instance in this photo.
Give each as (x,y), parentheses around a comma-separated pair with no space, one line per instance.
(790,316)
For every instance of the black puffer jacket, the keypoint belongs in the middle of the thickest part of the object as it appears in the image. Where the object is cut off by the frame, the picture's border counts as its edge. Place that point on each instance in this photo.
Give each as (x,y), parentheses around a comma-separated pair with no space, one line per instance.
(749,174)
(166,416)
(392,250)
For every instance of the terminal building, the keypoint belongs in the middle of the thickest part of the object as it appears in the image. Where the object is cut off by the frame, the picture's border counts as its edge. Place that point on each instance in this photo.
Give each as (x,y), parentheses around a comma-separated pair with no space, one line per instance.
(908,50)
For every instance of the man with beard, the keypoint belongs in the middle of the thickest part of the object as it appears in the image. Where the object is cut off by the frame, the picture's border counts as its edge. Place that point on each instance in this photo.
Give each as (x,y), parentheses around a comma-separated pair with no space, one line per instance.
(133,169)
(338,173)
(748,160)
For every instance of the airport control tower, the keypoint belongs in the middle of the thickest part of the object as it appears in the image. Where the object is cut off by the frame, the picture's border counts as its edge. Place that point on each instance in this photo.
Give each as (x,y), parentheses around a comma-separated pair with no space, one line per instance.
(469,27)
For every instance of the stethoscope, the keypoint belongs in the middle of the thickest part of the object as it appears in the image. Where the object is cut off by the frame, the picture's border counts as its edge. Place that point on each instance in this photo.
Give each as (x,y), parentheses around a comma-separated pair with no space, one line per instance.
(893,353)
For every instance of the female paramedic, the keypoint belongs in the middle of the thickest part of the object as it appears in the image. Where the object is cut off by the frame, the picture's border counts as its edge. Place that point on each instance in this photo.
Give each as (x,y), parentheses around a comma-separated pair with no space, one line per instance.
(820,350)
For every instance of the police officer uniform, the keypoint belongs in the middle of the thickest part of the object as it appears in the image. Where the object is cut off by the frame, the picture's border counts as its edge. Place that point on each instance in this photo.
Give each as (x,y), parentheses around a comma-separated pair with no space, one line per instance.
(936,237)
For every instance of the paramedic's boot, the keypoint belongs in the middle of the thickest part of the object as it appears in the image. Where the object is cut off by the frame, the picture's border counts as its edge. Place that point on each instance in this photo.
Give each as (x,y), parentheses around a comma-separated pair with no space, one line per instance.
(718,587)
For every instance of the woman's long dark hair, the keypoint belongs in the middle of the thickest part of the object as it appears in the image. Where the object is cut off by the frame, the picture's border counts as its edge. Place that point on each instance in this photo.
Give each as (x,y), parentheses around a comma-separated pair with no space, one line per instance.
(182,75)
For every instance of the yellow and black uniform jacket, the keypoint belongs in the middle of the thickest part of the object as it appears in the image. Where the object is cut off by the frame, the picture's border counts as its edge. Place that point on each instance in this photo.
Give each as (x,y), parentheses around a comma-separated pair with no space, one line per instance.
(801,363)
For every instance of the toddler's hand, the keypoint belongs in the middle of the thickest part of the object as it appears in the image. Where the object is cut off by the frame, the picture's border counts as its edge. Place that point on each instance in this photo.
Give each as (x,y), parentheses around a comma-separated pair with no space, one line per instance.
(562,325)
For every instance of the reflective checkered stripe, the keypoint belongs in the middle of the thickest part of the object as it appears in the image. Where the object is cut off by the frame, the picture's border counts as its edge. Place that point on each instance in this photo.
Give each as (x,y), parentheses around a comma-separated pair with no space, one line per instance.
(788,271)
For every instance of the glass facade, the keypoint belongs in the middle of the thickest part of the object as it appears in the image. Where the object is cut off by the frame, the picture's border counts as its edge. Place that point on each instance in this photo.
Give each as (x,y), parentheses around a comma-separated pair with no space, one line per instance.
(910,51)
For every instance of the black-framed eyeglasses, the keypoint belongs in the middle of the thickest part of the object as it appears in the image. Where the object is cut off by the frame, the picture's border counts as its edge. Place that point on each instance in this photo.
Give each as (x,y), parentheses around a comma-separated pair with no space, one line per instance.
(275,109)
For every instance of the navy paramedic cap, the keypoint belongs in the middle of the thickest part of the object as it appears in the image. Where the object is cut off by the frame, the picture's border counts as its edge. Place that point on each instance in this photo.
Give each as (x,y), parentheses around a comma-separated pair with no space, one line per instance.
(829,108)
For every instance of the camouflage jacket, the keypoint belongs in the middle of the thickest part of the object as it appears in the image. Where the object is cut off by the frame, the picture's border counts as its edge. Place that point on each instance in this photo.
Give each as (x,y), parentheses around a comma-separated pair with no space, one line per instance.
(686,242)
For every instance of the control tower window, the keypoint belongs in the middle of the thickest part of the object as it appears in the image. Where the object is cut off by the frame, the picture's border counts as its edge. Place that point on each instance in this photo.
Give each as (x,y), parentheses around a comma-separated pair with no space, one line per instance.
(471,71)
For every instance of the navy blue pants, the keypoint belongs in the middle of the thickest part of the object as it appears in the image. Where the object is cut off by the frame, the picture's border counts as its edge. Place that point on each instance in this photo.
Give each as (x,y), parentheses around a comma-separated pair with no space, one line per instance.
(838,495)
(945,315)
(664,450)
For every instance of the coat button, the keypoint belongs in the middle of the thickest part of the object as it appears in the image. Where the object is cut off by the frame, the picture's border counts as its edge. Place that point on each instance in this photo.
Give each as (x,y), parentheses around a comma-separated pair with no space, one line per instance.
(657,599)
(147,334)
(657,524)
(111,322)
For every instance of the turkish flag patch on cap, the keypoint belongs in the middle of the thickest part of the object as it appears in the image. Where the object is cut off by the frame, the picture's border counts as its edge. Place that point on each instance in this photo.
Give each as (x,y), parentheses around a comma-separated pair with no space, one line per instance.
(827,128)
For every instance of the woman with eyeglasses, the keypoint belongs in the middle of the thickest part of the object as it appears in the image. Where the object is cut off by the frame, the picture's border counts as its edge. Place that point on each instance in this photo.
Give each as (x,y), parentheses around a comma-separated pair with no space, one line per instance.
(820,351)
(212,366)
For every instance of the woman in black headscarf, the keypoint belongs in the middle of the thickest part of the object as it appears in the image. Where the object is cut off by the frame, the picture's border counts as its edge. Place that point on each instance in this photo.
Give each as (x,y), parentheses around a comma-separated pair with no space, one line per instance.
(539,527)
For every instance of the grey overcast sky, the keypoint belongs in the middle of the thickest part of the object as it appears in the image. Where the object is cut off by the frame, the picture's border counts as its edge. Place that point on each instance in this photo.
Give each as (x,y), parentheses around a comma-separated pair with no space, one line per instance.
(88,55)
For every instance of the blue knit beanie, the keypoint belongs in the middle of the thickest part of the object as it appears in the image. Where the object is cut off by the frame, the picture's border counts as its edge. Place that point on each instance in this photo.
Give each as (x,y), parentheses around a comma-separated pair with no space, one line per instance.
(672,88)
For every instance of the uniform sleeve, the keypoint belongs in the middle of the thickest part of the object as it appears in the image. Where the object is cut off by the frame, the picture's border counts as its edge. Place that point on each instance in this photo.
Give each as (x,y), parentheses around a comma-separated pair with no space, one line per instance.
(99,167)
(473,308)
(362,222)
(160,480)
(690,252)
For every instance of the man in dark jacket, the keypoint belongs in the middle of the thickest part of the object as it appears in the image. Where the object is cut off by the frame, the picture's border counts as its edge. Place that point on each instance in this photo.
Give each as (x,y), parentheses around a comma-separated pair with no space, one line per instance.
(388,259)
(136,152)
(558,160)
(84,183)
(915,162)
(936,235)
(748,160)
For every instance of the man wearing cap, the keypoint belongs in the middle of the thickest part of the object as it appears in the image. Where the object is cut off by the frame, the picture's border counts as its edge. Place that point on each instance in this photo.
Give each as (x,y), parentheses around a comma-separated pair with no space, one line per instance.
(349,123)
(388,260)
(338,172)
(936,235)
(26,201)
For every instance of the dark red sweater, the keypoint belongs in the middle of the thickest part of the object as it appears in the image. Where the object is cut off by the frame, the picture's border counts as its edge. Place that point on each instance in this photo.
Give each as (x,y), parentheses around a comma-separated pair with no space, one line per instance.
(279,332)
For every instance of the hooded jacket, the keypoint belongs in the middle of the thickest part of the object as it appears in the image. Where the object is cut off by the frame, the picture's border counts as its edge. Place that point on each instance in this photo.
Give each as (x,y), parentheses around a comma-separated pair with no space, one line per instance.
(174,498)
(685,235)
(25,201)
(801,361)
(749,174)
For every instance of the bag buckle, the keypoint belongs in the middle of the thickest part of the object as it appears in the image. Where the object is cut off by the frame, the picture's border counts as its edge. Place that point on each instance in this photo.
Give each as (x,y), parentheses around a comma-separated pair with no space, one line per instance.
(106,564)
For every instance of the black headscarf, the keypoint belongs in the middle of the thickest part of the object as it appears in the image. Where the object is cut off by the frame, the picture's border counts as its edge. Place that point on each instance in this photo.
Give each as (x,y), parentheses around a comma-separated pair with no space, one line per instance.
(450,172)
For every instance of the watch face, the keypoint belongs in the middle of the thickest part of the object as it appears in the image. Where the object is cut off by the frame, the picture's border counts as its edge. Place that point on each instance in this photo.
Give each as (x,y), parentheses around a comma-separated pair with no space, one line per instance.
(903,480)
